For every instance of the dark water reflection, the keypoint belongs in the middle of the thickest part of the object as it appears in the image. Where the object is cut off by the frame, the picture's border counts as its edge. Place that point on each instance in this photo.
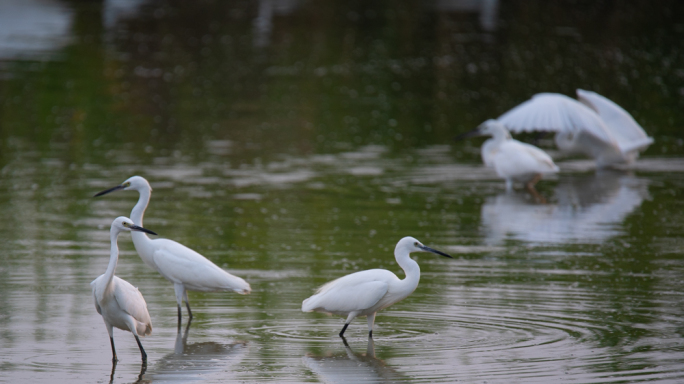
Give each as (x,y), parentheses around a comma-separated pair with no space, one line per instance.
(292,142)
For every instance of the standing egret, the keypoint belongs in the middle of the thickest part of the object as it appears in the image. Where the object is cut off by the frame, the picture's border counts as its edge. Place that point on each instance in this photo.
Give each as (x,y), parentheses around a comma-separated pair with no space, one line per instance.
(594,126)
(121,304)
(511,159)
(364,293)
(185,268)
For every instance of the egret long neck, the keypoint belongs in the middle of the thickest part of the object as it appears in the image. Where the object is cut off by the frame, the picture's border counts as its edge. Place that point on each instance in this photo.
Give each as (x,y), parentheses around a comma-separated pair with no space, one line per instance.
(139,210)
(411,269)
(143,244)
(113,256)
(500,134)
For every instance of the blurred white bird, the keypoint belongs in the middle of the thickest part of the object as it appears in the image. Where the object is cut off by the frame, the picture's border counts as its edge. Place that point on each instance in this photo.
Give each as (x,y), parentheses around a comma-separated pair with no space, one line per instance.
(511,159)
(594,126)
(185,268)
(365,293)
(121,304)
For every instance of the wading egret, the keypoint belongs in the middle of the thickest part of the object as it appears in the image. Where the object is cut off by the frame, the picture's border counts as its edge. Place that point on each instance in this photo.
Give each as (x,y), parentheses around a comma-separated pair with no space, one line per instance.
(511,159)
(365,293)
(594,126)
(121,304)
(185,268)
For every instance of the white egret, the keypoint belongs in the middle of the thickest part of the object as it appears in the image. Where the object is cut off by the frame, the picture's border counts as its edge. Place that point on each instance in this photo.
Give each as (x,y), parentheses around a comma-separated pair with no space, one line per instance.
(121,304)
(594,126)
(364,293)
(185,268)
(511,159)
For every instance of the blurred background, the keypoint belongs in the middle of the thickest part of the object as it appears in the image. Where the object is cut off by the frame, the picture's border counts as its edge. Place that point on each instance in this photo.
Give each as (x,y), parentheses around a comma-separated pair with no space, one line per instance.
(304,77)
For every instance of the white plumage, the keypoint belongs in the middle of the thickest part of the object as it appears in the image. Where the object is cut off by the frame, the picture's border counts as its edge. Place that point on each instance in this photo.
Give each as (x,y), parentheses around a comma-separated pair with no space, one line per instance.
(185,268)
(121,304)
(512,160)
(365,293)
(594,126)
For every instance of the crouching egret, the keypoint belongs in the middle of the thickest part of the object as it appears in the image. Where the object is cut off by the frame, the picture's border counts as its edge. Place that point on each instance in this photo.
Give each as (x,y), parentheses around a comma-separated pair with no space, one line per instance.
(185,268)
(365,293)
(121,304)
(511,159)
(594,126)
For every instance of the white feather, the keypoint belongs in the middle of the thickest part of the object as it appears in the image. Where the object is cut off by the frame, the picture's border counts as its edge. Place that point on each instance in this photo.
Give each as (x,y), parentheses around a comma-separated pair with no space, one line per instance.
(594,125)
(628,134)
(364,293)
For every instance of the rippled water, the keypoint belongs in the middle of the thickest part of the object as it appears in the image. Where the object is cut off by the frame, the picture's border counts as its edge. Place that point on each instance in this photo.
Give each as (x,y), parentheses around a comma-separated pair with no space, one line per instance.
(586,295)
(293,142)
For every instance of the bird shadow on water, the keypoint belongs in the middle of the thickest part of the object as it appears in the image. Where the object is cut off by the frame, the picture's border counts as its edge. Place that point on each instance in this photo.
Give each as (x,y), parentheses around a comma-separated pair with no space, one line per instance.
(352,367)
(190,362)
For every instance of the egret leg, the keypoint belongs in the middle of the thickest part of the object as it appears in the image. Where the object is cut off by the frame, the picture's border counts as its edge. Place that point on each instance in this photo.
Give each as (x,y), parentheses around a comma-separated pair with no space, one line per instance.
(531,183)
(187,303)
(351,317)
(179,289)
(371,321)
(142,350)
(533,191)
(114,359)
(343,329)
(110,331)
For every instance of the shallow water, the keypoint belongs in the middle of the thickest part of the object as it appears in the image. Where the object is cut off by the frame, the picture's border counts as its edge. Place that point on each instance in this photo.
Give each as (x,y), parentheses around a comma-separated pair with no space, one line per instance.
(590,294)
(292,143)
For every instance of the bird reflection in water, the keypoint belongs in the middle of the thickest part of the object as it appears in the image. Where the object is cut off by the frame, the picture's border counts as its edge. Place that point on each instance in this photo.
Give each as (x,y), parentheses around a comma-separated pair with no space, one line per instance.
(587,209)
(350,367)
(143,369)
(190,362)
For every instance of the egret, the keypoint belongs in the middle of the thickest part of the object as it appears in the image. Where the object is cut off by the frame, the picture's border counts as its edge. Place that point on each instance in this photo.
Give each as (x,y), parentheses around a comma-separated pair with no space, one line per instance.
(594,126)
(185,268)
(364,293)
(121,304)
(511,159)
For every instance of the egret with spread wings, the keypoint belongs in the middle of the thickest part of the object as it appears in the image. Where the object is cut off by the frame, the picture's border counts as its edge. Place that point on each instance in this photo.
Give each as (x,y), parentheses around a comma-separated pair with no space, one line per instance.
(594,126)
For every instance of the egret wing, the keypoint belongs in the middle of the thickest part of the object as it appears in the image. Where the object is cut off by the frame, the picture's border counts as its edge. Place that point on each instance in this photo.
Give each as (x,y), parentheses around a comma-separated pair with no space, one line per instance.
(555,112)
(100,288)
(181,264)
(355,292)
(516,158)
(540,157)
(628,134)
(132,302)
(93,285)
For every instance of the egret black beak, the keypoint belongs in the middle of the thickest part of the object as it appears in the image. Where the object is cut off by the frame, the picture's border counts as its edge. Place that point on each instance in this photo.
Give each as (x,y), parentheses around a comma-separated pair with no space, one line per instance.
(463,136)
(141,229)
(428,249)
(106,191)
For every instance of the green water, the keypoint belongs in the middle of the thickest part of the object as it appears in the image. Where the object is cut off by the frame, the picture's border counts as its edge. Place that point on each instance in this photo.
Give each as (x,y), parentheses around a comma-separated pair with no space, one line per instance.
(299,146)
